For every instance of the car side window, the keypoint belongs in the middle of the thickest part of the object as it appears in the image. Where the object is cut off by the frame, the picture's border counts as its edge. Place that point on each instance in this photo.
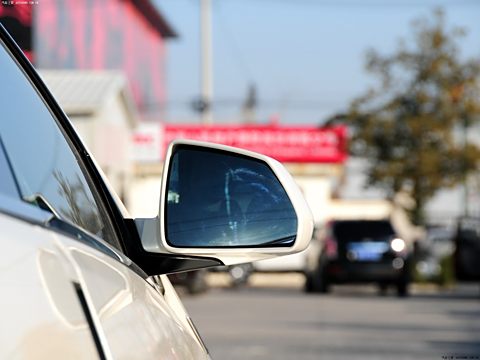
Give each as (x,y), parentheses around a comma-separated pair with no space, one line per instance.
(8,186)
(43,162)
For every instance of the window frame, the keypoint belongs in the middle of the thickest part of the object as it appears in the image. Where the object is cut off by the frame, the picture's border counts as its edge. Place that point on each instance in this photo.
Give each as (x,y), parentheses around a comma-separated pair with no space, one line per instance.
(85,161)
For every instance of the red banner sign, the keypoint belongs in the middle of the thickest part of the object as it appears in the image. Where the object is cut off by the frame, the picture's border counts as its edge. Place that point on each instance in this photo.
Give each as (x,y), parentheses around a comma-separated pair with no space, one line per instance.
(299,144)
(284,143)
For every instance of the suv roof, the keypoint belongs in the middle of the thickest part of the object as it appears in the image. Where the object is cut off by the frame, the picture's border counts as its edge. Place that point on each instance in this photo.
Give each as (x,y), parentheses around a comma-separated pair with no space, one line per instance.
(346,230)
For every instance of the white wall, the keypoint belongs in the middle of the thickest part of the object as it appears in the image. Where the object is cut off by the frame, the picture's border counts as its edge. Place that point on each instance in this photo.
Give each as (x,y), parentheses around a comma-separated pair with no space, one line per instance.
(107,134)
(144,196)
(317,192)
(359,209)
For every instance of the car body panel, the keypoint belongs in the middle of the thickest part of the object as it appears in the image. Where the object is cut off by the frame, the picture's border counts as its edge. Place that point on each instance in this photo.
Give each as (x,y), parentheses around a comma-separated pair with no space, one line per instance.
(134,321)
(42,317)
(135,318)
(288,263)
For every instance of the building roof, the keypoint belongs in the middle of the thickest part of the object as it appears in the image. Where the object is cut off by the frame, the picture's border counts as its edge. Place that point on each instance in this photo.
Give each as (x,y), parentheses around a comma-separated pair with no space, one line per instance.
(155,18)
(83,92)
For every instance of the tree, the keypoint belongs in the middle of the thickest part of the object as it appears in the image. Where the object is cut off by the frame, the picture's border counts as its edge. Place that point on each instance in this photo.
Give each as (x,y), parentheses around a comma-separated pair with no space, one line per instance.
(412,126)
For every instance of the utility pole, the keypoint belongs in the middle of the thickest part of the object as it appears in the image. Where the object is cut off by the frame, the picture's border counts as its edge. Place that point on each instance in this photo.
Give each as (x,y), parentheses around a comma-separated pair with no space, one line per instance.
(206,60)
(466,194)
(250,105)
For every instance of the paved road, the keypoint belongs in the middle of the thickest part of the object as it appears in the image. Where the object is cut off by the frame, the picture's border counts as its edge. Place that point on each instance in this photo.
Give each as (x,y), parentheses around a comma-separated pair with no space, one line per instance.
(280,322)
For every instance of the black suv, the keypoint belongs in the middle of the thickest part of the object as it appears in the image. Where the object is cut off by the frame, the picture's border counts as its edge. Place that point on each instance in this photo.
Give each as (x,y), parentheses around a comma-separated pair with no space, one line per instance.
(467,249)
(361,251)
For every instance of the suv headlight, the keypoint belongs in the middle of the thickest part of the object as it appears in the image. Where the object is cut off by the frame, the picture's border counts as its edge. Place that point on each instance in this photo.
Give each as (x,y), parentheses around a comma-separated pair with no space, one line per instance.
(397,245)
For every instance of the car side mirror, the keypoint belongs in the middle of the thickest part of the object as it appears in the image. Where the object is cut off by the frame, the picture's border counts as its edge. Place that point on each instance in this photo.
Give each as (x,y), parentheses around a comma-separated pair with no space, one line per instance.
(230,204)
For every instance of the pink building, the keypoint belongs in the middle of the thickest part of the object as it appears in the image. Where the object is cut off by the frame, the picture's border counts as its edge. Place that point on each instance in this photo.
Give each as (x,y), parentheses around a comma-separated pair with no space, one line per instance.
(127,35)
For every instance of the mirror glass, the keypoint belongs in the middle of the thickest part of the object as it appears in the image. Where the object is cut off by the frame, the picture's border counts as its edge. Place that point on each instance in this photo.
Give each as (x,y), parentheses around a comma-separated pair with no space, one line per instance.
(221,199)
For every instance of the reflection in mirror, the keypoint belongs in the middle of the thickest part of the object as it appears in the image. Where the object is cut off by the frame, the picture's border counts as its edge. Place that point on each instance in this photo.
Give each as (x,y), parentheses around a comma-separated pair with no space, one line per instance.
(221,199)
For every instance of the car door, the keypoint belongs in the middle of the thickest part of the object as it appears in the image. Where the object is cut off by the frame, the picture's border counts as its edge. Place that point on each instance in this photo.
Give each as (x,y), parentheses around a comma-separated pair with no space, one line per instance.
(42,317)
(128,316)
(133,315)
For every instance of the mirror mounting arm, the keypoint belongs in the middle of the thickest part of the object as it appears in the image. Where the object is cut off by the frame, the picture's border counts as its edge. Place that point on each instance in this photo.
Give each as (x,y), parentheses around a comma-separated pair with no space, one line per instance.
(156,263)
(149,233)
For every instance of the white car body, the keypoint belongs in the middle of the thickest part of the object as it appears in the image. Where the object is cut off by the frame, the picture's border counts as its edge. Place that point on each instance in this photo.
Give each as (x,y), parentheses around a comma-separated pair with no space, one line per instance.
(289,263)
(79,278)
(46,320)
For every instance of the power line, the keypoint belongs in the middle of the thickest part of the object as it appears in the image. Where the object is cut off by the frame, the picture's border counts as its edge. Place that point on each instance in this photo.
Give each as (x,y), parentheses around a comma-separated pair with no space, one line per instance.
(235,50)
(237,102)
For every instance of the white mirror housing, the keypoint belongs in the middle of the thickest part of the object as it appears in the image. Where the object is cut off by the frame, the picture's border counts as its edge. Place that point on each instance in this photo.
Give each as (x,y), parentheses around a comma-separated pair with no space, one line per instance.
(153,232)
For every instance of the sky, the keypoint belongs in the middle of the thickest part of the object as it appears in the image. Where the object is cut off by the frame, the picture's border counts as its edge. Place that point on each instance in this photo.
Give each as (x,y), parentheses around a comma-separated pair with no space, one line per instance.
(305,57)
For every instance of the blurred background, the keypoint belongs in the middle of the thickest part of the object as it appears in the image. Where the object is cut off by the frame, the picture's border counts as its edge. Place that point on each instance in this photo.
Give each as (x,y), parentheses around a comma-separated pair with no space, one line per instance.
(374,108)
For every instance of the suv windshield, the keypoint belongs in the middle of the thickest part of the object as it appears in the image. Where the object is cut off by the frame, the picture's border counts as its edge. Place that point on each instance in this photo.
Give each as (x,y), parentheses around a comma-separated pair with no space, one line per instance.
(346,231)
(38,156)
